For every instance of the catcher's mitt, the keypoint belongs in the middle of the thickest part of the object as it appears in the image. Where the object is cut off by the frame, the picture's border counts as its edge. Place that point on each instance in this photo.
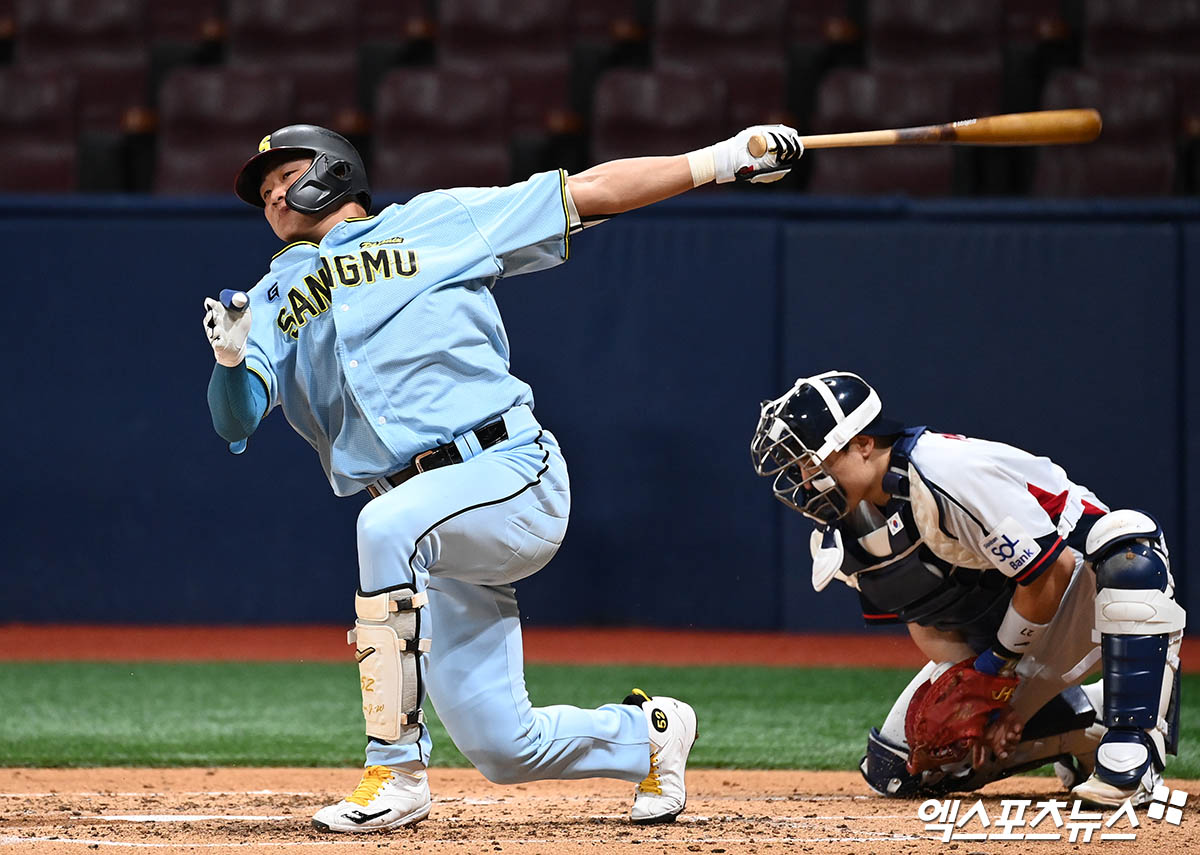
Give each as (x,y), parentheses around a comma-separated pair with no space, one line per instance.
(946,716)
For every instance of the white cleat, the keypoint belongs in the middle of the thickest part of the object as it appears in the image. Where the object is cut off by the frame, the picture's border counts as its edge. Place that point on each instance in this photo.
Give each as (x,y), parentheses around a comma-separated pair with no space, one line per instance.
(384,798)
(1096,791)
(1124,770)
(672,724)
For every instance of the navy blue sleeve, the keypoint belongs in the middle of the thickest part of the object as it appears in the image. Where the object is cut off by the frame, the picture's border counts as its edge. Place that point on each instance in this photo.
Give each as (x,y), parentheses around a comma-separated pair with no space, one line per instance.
(237,400)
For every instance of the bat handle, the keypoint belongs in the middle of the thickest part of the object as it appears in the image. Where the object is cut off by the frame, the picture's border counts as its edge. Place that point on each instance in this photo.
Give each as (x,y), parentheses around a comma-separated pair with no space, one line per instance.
(757,145)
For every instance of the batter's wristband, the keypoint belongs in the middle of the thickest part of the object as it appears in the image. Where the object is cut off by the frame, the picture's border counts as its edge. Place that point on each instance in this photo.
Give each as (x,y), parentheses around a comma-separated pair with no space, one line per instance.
(703,166)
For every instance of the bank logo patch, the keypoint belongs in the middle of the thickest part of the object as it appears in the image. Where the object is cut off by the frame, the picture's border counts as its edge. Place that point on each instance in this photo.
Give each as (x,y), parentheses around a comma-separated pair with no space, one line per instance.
(1009,547)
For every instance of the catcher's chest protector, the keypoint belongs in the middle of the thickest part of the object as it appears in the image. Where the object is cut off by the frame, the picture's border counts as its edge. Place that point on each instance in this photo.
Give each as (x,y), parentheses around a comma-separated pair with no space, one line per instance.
(899,575)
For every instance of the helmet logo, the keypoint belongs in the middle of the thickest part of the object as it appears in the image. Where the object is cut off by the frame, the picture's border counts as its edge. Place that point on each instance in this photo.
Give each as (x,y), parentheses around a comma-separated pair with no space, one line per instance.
(265,143)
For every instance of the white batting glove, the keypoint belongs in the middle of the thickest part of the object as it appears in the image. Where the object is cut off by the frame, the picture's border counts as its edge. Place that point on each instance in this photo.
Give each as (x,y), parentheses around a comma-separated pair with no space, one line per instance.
(731,160)
(228,328)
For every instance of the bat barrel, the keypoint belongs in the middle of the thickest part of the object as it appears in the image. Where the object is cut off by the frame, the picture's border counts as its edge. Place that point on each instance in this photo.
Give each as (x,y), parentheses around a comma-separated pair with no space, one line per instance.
(1045,127)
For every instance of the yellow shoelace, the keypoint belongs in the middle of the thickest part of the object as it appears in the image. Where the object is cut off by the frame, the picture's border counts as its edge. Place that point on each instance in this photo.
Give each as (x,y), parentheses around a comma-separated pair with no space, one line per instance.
(374,778)
(651,783)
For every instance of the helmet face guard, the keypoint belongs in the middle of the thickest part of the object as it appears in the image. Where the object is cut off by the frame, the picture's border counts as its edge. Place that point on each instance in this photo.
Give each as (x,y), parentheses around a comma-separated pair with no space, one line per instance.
(323,186)
(801,480)
(799,431)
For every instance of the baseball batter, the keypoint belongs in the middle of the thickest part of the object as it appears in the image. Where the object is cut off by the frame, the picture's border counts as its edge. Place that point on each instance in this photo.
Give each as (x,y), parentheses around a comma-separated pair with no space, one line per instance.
(379,338)
(994,556)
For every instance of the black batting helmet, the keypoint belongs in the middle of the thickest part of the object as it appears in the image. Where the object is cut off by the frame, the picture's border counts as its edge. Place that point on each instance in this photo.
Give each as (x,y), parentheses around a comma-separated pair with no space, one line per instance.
(336,175)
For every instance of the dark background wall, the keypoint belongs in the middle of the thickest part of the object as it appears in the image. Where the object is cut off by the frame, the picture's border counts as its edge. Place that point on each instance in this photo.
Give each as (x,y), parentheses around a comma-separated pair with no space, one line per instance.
(1059,327)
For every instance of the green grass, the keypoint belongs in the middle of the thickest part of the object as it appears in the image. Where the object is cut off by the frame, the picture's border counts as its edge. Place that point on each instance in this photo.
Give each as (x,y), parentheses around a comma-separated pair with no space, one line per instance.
(83,714)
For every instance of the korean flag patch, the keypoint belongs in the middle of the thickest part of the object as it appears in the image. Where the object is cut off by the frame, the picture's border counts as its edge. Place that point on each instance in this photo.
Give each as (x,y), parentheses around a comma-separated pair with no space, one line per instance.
(894,523)
(1009,547)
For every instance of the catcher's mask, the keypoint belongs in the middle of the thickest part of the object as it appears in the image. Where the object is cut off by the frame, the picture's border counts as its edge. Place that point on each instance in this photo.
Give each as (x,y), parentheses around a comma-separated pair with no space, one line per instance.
(798,431)
(337,172)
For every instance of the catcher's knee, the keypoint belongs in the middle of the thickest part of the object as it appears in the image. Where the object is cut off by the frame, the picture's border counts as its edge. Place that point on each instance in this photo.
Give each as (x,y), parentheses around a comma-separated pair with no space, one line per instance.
(387,634)
(884,768)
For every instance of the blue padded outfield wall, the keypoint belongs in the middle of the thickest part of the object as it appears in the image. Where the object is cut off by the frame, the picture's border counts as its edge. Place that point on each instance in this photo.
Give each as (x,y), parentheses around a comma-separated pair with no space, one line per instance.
(1060,327)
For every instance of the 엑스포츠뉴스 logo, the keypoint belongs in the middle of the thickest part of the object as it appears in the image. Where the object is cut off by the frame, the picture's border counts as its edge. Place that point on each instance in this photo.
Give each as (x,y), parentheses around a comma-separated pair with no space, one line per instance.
(1167,804)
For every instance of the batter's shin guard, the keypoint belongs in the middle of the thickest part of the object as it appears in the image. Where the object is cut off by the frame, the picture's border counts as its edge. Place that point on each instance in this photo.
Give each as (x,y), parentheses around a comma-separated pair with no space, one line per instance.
(389,646)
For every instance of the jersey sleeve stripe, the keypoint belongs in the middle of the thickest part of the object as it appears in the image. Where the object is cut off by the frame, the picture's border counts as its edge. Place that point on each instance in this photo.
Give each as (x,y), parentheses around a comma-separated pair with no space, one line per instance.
(1049,556)
(562,181)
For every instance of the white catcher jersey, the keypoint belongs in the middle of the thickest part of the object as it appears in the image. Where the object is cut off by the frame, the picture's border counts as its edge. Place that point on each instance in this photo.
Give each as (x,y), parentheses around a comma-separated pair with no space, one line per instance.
(984,504)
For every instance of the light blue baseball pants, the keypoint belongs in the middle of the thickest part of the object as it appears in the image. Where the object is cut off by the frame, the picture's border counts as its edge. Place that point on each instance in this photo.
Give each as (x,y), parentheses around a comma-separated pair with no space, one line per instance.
(464,534)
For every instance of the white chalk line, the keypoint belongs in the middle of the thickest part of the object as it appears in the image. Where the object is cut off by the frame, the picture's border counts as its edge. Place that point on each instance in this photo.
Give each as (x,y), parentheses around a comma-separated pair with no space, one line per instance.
(488,800)
(186,817)
(11,840)
(699,818)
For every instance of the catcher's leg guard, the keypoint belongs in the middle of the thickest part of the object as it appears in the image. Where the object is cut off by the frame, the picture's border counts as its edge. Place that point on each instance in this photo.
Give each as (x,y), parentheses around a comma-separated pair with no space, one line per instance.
(883,768)
(1140,628)
(388,649)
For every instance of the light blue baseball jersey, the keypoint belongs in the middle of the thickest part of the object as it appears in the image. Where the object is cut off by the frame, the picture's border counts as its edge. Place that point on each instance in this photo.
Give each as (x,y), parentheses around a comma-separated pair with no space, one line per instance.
(384,340)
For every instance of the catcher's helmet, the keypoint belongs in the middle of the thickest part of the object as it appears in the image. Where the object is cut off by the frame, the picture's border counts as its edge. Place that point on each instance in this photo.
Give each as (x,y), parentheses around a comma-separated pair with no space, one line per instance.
(798,431)
(337,172)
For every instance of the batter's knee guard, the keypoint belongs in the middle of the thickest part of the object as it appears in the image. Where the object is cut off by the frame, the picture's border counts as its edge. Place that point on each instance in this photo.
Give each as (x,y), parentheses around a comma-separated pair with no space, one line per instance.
(1140,628)
(387,635)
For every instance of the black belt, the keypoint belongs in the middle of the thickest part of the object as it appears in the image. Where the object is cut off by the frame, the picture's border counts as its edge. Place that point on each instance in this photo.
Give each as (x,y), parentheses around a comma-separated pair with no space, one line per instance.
(444,455)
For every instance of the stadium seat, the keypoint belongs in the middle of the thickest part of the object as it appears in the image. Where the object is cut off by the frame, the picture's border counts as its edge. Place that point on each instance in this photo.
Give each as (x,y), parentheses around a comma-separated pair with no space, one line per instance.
(740,43)
(104,45)
(186,23)
(1135,154)
(38,130)
(398,32)
(438,128)
(211,122)
(312,42)
(856,100)
(605,34)
(691,33)
(527,43)
(1033,21)
(947,34)
(184,32)
(65,28)
(639,113)
(1141,33)
(608,21)
(8,28)
(962,40)
(824,22)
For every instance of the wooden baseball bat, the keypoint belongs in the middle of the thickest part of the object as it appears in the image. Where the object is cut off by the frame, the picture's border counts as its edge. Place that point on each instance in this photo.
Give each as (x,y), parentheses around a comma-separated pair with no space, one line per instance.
(1044,127)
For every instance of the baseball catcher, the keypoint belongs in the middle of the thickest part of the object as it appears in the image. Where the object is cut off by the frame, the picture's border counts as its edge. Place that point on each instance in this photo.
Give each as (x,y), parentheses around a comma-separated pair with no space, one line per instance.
(378,336)
(1016,582)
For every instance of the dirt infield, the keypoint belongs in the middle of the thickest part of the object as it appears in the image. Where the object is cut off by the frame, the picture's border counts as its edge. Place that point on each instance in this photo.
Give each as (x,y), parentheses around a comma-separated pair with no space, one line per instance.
(309,643)
(169,811)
